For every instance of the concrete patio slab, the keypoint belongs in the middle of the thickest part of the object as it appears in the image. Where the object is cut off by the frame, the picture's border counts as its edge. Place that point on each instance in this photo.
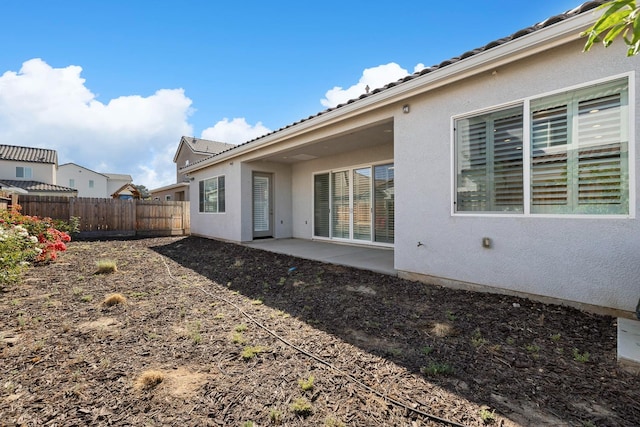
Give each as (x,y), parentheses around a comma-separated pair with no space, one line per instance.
(375,259)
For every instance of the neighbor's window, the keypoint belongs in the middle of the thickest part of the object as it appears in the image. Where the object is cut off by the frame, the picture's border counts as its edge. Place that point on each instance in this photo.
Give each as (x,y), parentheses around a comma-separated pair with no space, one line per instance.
(72,183)
(23,172)
(211,194)
(90,183)
(578,154)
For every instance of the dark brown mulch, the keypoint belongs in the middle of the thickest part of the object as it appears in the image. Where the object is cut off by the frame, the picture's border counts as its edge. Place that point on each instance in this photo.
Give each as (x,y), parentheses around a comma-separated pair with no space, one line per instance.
(381,350)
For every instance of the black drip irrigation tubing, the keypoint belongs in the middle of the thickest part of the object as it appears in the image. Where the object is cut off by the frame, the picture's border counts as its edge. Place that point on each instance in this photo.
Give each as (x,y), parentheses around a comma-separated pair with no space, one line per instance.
(322,361)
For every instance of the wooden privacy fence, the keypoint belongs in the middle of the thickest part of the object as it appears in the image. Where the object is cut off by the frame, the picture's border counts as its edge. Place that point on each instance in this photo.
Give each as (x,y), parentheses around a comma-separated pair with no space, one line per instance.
(113,217)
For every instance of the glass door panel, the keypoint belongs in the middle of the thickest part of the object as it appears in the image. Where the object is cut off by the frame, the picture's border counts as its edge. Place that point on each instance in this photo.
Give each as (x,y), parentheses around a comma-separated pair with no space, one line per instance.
(321,205)
(340,212)
(362,204)
(384,195)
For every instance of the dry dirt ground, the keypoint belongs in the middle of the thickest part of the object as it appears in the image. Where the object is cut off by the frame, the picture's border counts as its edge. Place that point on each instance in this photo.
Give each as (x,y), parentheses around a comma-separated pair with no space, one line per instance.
(242,337)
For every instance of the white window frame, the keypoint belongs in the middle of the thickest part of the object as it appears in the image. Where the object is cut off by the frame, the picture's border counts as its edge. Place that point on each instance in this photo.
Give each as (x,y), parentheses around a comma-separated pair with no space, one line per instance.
(27,172)
(526,103)
(200,204)
(349,170)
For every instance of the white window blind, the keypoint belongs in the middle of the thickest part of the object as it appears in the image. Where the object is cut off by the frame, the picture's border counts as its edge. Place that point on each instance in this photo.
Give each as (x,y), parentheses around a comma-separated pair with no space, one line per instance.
(321,205)
(211,195)
(489,162)
(579,151)
(578,147)
(260,203)
(384,201)
(340,211)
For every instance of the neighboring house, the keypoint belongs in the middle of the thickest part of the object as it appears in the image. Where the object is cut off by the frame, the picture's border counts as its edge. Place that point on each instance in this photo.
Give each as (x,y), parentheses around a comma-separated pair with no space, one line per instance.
(88,183)
(115,182)
(31,170)
(511,168)
(127,192)
(190,150)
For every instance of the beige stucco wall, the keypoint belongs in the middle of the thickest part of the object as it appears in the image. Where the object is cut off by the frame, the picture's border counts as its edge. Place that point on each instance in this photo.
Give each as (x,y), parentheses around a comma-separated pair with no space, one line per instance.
(593,261)
(43,172)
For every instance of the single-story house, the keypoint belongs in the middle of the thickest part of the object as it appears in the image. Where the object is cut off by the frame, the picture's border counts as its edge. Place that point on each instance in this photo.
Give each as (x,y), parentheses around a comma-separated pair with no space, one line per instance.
(190,150)
(511,168)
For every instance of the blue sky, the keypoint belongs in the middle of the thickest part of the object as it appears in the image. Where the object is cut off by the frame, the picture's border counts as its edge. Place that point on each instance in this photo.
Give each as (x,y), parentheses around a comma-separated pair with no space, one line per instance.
(113,85)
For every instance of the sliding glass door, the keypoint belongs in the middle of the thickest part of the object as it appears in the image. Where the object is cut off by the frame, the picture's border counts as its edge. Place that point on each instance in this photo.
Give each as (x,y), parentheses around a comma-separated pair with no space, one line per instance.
(355,204)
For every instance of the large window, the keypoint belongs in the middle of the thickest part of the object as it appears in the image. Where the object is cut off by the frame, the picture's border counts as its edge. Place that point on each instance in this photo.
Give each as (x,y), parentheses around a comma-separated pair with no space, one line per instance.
(211,195)
(576,143)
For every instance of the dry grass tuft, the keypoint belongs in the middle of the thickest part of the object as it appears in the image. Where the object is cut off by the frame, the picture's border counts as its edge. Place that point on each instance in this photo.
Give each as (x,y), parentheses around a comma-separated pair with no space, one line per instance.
(114,299)
(442,330)
(106,266)
(148,380)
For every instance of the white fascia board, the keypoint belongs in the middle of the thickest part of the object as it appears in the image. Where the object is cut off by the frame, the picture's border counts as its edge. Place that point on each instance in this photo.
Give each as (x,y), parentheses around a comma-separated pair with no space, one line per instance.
(538,41)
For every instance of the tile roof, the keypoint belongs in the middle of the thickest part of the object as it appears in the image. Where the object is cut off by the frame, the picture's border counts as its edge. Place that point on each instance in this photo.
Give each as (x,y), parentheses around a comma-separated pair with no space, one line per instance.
(28,154)
(36,186)
(206,146)
(118,176)
(584,7)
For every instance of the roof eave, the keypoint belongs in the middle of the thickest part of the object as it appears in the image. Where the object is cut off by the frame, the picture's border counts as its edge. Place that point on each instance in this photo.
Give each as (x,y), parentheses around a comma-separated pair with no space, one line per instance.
(538,41)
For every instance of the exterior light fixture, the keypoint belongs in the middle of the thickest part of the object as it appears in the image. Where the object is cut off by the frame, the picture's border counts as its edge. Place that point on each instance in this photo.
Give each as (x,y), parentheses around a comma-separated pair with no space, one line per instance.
(405,108)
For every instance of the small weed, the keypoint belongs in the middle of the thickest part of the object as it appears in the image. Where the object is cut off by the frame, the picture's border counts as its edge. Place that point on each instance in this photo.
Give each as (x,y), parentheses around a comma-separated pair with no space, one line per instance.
(86,298)
(77,291)
(219,316)
(282,281)
(332,422)
(282,314)
(15,302)
(487,416)
(396,352)
(532,348)
(238,338)
(250,352)
(148,380)
(21,320)
(114,299)
(275,417)
(580,357)
(511,341)
(248,424)
(437,369)
(477,340)
(452,317)
(555,337)
(152,336)
(194,332)
(302,407)
(426,350)
(137,294)
(240,328)
(256,302)
(106,266)
(306,385)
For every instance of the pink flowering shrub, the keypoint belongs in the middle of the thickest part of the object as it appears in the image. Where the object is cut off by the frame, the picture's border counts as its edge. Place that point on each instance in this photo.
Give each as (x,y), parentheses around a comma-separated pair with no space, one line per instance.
(27,240)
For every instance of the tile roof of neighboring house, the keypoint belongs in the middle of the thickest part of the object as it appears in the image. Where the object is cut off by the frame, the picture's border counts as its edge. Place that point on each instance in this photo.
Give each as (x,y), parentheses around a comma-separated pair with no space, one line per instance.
(28,154)
(77,165)
(36,186)
(205,146)
(118,176)
(584,7)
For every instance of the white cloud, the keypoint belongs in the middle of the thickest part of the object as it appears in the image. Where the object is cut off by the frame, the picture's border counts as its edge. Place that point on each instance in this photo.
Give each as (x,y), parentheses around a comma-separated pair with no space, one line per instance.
(235,131)
(42,106)
(375,77)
